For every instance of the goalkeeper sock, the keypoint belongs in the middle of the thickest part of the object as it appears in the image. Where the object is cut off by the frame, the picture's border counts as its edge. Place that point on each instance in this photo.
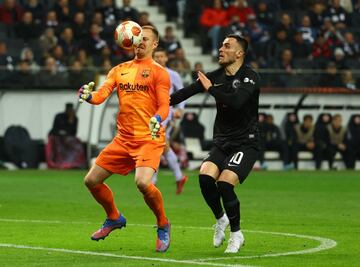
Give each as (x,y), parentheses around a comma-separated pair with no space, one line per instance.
(173,164)
(104,196)
(154,200)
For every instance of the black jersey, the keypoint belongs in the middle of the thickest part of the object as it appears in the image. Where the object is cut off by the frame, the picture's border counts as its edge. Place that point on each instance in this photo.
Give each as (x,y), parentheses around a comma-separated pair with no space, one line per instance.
(237,103)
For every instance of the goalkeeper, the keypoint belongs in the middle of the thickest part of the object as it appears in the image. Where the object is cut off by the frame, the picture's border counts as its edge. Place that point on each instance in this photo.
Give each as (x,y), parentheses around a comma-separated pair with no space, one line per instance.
(142,87)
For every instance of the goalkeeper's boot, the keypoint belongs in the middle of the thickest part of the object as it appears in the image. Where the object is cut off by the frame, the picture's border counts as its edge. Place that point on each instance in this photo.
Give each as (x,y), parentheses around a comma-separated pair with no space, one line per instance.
(220,227)
(163,238)
(236,241)
(108,227)
(180,184)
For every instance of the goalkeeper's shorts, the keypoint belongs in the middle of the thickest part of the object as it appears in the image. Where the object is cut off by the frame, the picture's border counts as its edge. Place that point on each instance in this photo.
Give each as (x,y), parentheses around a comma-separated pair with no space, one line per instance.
(124,156)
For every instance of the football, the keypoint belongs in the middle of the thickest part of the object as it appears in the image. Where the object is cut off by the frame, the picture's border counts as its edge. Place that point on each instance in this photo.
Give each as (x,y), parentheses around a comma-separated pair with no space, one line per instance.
(128,34)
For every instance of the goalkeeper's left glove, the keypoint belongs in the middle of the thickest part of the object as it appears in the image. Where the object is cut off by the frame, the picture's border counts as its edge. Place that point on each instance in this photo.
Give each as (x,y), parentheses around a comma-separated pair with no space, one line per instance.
(85,92)
(154,125)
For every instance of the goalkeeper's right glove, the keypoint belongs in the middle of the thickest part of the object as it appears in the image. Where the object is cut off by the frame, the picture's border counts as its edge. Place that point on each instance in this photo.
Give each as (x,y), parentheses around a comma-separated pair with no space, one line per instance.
(154,125)
(85,92)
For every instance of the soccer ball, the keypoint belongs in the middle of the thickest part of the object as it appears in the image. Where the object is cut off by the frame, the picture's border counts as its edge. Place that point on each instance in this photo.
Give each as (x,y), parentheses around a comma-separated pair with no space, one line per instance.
(128,34)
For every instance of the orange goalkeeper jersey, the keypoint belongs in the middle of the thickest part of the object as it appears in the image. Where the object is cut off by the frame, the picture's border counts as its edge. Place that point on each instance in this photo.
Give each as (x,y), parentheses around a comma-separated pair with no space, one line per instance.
(143,90)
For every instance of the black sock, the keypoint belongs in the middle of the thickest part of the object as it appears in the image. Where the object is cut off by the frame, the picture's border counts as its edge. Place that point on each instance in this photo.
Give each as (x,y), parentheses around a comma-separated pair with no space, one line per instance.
(211,194)
(231,204)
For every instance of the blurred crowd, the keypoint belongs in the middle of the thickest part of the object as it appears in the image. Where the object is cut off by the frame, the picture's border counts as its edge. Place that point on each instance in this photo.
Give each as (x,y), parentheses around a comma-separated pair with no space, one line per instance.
(323,137)
(62,44)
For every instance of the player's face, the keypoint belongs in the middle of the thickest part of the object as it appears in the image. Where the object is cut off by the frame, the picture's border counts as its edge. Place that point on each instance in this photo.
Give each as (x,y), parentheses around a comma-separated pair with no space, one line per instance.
(148,44)
(230,51)
(161,58)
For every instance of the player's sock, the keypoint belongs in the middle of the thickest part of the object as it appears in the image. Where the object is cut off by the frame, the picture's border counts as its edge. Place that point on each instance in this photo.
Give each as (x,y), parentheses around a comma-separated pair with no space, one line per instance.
(154,200)
(104,196)
(211,194)
(154,177)
(231,204)
(173,164)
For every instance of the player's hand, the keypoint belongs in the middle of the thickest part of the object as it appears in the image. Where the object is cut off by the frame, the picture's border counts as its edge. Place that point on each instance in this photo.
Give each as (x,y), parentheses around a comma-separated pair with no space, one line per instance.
(85,92)
(154,126)
(206,83)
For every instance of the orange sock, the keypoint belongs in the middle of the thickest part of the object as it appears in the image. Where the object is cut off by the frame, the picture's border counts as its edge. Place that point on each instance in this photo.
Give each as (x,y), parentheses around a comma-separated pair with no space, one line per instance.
(153,199)
(104,196)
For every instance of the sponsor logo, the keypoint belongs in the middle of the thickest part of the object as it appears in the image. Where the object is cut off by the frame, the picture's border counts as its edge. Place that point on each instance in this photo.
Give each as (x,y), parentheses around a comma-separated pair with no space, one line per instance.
(124,73)
(128,87)
(218,84)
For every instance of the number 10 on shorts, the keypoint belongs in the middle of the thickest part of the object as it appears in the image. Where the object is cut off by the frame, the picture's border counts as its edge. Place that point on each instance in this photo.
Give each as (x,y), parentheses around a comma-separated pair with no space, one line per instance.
(236,158)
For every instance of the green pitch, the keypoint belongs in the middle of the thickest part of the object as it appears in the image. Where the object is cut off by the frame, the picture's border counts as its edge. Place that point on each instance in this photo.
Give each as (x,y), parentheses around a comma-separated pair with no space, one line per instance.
(288,219)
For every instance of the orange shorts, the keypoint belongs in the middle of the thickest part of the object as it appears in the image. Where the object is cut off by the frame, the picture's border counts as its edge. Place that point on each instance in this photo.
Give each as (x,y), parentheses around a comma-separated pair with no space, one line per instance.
(124,156)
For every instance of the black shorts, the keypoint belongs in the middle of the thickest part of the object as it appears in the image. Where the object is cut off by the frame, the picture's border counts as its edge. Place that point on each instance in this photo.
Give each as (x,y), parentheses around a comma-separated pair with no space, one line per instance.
(241,161)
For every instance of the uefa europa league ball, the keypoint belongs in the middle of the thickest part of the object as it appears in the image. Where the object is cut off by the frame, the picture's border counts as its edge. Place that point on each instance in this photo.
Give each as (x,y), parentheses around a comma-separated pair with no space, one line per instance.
(128,34)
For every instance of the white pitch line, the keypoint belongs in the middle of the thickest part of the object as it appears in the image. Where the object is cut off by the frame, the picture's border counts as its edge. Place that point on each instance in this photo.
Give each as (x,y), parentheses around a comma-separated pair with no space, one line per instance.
(91,253)
(325,243)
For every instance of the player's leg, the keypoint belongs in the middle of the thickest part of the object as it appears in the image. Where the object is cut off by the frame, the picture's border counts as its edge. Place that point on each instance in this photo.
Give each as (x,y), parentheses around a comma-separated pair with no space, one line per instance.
(237,167)
(94,181)
(174,165)
(209,172)
(148,161)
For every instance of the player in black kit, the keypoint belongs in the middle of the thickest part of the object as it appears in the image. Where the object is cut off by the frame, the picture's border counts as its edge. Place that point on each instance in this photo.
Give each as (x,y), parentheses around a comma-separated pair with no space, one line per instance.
(235,87)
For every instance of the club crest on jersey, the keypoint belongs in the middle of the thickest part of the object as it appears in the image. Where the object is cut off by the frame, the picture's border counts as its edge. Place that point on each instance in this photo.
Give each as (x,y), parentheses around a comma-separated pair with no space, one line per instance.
(236,83)
(146,73)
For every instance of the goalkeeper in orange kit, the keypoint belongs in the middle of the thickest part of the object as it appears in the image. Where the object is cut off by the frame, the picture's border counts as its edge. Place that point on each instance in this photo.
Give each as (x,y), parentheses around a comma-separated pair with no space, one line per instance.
(142,86)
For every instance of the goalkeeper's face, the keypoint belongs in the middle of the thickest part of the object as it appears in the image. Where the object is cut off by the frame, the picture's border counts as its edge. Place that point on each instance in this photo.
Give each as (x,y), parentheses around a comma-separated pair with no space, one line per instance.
(148,44)
(230,52)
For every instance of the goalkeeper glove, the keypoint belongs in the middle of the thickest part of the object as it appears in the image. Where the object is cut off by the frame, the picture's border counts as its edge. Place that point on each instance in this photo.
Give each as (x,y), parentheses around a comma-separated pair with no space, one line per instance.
(85,92)
(154,125)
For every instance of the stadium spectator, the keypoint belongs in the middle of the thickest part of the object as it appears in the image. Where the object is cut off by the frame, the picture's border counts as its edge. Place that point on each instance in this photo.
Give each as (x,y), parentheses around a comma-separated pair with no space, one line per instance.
(10,12)
(110,16)
(276,45)
(81,6)
(144,19)
(67,41)
(285,24)
(322,140)
(61,61)
(48,41)
(351,46)
(180,57)
(331,77)
(339,59)
(26,29)
(27,55)
(51,21)
(337,15)
(307,31)
(50,76)
(285,65)
(241,9)
(6,62)
(353,136)
(316,14)
(77,75)
(127,12)
(94,43)
(22,77)
(212,19)
(198,66)
(80,27)
(339,142)
(348,80)
(62,11)
(265,14)
(299,48)
(64,150)
(273,141)
(131,149)
(304,139)
(170,42)
(37,9)
(257,34)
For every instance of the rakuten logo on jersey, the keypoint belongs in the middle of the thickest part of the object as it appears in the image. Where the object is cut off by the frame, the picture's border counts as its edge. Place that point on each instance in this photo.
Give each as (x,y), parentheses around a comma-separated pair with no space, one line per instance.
(127,87)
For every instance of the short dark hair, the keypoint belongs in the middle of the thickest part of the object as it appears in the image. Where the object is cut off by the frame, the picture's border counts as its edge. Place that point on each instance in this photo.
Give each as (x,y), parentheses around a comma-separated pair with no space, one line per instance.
(153,29)
(160,49)
(242,41)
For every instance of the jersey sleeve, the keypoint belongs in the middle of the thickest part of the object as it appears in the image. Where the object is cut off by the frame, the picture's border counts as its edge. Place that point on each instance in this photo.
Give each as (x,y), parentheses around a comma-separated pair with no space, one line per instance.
(162,94)
(185,93)
(237,97)
(105,89)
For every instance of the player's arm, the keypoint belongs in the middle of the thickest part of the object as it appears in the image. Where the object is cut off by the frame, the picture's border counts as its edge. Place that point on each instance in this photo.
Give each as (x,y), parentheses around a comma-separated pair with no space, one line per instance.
(162,98)
(185,93)
(103,92)
(236,98)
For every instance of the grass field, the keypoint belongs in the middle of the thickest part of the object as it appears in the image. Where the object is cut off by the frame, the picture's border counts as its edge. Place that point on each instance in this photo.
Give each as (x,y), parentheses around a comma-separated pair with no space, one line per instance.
(288,219)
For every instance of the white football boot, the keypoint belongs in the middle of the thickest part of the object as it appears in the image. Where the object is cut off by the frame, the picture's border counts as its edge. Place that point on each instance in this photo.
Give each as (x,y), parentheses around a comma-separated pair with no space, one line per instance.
(220,227)
(236,241)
